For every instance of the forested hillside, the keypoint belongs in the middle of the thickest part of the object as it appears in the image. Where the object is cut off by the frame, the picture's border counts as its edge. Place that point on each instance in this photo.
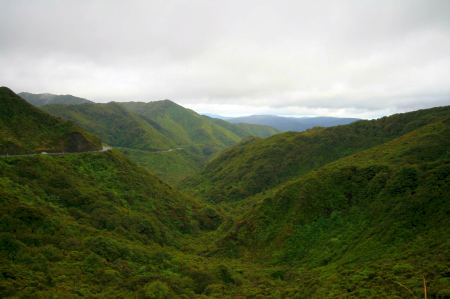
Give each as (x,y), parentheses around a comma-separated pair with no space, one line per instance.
(115,125)
(259,164)
(26,129)
(354,211)
(159,135)
(93,224)
(189,127)
(373,224)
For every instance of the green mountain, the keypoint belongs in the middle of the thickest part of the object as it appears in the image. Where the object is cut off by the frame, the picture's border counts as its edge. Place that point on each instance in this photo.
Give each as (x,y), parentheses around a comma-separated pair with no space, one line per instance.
(92,225)
(41,99)
(172,141)
(95,225)
(284,124)
(115,125)
(371,225)
(355,211)
(256,164)
(26,129)
(190,128)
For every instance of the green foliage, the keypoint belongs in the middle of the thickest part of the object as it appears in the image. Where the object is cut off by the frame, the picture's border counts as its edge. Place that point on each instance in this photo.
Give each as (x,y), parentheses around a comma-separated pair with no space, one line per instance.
(115,125)
(358,211)
(257,164)
(371,224)
(26,129)
(187,127)
(171,166)
(171,141)
(157,290)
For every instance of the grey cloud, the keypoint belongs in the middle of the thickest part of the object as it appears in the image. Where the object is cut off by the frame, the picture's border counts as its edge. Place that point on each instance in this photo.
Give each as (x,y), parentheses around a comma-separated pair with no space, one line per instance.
(361,57)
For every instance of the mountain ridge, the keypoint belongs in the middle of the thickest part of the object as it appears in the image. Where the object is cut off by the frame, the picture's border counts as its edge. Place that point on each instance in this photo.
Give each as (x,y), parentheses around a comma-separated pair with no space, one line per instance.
(285,123)
(41,99)
(259,164)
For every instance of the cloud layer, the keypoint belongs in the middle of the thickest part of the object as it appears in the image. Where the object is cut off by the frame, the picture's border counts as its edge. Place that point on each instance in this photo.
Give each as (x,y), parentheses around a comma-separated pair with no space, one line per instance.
(354,58)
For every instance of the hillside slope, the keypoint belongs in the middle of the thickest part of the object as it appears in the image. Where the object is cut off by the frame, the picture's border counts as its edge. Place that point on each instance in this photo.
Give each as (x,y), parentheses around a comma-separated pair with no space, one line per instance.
(259,164)
(42,99)
(26,129)
(88,225)
(188,127)
(373,224)
(363,213)
(158,135)
(115,125)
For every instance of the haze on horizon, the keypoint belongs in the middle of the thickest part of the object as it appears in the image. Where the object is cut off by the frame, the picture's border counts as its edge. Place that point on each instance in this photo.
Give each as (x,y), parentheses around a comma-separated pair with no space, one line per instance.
(356,58)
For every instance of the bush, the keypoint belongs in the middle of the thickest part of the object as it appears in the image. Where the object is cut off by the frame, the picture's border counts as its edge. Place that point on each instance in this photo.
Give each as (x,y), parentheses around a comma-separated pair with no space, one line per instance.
(157,290)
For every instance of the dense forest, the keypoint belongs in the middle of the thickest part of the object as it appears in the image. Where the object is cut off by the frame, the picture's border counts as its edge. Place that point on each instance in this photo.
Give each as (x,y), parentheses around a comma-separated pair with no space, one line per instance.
(187,206)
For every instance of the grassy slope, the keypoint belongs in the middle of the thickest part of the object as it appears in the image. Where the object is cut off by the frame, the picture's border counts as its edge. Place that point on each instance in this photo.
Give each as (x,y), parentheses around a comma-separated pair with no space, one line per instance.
(26,129)
(189,128)
(115,125)
(361,226)
(260,164)
(142,129)
(172,167)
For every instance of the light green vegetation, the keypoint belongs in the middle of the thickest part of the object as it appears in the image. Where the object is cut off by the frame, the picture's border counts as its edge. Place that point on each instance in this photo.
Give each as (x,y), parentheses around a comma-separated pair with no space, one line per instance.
(172,166)
(143,128)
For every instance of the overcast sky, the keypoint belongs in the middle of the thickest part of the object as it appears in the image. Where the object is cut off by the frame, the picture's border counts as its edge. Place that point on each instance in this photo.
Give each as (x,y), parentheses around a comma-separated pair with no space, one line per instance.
(341,58)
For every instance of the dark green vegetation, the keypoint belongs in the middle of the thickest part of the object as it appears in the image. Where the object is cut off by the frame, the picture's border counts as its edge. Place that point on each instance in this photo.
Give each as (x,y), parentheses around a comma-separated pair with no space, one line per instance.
(291,123)
(356,211)
(96,225)
(42,99)
(146,130)
(363,225)
(26,129)
(260,164)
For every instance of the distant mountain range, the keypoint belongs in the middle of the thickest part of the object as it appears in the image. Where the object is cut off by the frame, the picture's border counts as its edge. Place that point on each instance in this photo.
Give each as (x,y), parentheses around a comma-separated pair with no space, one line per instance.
(289,123)
(41,99)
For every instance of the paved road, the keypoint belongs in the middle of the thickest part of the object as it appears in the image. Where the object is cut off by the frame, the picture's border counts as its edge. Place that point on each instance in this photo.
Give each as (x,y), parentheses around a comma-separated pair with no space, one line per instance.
(104,149)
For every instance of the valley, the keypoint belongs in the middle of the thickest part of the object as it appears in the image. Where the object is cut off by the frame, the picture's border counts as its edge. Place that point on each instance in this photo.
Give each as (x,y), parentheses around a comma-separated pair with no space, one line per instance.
(186,206)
